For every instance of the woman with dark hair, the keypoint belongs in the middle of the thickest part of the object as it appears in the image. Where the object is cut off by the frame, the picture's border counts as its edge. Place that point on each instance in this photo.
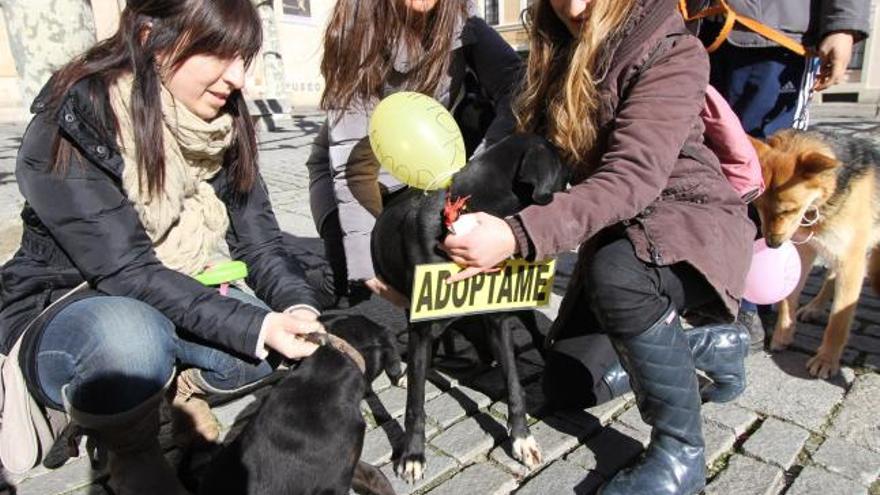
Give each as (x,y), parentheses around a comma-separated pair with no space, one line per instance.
(139,170)
(618,86)
(438,48)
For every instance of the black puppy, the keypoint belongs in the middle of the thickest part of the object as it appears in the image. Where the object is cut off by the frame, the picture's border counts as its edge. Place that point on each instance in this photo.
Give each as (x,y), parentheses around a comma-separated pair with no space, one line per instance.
(308,434)
(516,172)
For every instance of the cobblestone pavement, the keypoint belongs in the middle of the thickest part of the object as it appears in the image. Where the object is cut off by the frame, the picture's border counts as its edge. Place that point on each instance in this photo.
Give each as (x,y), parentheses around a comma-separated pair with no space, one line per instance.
(786,434)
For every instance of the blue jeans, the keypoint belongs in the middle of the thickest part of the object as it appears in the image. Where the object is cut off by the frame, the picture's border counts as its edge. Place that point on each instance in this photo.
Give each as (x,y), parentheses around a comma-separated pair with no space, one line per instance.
(110,354)
(764,86)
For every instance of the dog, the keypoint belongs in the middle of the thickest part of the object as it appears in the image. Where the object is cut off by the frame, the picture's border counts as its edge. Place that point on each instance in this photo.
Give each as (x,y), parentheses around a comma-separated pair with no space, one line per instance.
(308,434)
(823,193)
(516,172)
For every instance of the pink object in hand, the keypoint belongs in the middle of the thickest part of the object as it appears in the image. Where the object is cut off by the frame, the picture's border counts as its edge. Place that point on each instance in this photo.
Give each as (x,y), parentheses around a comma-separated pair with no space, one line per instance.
(774,273)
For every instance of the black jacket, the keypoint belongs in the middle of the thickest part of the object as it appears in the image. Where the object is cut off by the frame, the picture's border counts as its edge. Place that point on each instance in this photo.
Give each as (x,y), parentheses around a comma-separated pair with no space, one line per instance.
(80,225)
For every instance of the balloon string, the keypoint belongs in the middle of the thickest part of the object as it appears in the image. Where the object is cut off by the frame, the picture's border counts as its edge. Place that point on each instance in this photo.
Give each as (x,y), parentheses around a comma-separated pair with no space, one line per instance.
(808,239)
(816,217)
(438,180)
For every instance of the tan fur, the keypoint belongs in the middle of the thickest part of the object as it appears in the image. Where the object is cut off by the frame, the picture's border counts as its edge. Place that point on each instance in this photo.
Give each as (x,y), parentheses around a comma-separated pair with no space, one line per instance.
(801,170)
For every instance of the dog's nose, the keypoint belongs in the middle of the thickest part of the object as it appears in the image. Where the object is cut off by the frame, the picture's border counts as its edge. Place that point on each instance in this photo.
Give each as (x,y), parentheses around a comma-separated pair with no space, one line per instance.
(774,241)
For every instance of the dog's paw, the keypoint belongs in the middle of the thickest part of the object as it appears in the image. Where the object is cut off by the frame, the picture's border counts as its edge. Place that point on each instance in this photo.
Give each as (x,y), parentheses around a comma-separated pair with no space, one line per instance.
(401,381)
(811,314)
(783,336)
(824,364)
(526,451)
(410,468)
(779,344)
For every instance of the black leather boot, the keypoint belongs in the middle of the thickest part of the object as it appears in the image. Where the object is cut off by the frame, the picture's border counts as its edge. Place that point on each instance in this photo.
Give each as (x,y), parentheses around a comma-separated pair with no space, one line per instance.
(751,320)
(720,351)
(664,380)
(617,380)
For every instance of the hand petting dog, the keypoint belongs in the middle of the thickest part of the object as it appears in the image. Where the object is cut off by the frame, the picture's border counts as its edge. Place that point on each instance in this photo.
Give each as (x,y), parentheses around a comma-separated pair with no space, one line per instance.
(284,331)
(482,248)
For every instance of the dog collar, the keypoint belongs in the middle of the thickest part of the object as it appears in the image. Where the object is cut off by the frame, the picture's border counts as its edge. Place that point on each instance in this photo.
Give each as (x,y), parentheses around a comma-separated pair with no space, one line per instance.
(322,339)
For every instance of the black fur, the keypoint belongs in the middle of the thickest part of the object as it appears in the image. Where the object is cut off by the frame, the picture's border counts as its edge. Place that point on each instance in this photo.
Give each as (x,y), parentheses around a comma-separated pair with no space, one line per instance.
(308,434)
(518,171)
(857,157)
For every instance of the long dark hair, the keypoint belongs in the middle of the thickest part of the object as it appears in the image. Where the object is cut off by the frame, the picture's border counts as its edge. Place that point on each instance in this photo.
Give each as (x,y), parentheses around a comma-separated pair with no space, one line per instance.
(361,41)
(178,29)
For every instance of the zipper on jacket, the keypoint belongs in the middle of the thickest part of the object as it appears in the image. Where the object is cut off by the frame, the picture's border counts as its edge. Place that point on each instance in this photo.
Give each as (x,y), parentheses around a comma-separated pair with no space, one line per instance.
(656,256)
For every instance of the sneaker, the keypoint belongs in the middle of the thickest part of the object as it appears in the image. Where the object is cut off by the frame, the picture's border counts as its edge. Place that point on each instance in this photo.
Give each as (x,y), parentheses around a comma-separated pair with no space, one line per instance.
(752,321)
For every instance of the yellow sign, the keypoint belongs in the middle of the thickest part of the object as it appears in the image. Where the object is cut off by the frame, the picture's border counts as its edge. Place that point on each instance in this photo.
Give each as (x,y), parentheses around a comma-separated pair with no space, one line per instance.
(519,285)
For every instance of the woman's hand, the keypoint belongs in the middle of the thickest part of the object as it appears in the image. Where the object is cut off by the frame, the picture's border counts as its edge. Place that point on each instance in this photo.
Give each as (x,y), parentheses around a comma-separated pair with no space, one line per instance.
(482,248)
(304,314)
(284,330)
(390,294)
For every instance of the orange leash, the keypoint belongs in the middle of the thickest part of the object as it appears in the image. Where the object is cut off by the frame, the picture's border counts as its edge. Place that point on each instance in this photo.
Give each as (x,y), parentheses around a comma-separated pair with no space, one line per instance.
(730,20)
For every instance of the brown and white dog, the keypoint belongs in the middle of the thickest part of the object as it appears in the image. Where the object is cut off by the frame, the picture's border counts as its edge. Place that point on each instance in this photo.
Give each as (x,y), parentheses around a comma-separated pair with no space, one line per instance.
(823,193)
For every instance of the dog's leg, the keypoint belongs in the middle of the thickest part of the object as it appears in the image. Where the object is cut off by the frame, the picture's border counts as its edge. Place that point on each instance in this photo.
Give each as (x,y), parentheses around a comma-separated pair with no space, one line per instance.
(783,333)
(411,463)
(525,448)
(448,340)
(530,321)
(391,362)
(847,288)
(874,269)
(814,310)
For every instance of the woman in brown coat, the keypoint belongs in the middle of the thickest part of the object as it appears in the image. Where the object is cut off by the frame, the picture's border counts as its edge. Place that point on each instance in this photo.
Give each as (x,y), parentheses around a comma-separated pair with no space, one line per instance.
(617,86)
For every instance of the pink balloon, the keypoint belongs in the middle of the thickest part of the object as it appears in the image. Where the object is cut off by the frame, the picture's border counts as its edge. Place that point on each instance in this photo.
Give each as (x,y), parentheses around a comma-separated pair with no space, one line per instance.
(774,273)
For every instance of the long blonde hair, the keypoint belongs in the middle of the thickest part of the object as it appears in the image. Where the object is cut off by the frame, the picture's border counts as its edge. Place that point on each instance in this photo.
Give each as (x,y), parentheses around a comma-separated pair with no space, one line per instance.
(560,94)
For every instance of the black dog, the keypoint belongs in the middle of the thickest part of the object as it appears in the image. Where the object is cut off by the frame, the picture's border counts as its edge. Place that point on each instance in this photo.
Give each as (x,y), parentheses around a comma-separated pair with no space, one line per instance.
(308,434)
(518,171)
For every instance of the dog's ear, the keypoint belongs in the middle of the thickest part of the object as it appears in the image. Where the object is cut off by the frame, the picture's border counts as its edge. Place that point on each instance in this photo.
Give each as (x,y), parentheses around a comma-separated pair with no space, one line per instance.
(541,169)
(369,480)
(812,163)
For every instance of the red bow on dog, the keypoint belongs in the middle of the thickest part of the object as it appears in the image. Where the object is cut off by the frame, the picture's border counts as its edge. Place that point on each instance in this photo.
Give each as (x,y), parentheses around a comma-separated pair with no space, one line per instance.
(452,210)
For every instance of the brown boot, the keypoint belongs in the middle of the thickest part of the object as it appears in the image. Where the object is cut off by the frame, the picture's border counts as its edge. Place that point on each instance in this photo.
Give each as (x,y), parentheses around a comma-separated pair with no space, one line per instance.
(192,422)
(137,463)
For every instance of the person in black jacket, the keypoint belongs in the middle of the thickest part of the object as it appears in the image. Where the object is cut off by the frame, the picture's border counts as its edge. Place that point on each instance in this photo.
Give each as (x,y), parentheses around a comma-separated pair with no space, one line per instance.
(139,169)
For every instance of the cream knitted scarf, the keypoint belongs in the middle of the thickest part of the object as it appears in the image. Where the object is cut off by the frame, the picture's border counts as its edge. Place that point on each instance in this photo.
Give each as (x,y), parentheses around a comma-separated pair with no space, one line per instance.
(185,220)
